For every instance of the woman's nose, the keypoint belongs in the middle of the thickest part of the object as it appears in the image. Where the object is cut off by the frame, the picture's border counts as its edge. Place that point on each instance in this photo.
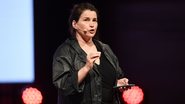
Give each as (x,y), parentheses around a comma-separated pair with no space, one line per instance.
(92,23)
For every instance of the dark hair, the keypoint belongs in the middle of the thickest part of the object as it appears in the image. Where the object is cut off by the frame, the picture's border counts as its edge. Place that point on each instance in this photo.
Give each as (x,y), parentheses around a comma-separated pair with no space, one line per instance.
(76,12)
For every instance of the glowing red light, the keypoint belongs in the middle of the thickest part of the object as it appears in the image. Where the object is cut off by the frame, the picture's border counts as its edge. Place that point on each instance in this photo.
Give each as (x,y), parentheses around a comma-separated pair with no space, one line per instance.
(134,95)
(32,96)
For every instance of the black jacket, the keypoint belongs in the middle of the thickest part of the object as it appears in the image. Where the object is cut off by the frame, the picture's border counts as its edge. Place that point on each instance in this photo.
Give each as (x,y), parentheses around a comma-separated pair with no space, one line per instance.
(67,60)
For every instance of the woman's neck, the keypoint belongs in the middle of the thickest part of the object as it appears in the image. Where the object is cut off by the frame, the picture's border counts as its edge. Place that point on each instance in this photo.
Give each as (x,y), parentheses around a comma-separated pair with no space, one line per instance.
(84,41)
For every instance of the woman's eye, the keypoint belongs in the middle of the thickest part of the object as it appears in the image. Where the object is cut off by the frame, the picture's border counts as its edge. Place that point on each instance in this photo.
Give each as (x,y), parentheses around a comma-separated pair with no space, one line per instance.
(95,20)
(87,19)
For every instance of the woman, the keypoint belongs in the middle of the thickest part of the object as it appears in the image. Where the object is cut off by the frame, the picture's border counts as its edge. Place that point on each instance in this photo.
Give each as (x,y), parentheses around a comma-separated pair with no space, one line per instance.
(85,69)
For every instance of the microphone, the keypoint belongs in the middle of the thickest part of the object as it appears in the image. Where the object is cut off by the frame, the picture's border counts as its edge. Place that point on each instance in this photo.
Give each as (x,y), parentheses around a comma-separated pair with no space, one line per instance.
(83,30)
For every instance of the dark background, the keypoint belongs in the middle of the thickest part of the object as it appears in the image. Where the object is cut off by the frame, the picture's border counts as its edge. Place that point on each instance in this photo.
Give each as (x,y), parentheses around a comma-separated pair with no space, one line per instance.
(148,38)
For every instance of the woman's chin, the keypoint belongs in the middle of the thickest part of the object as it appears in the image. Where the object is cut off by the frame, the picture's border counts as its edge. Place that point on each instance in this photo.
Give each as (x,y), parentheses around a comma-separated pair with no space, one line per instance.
(91,35)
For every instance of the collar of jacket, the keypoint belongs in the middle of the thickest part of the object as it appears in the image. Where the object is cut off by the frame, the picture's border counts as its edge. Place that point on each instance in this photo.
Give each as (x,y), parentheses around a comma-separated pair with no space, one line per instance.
(107,51)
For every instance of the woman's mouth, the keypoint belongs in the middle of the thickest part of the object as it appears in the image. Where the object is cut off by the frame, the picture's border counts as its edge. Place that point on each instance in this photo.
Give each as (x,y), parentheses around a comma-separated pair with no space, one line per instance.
(92,31)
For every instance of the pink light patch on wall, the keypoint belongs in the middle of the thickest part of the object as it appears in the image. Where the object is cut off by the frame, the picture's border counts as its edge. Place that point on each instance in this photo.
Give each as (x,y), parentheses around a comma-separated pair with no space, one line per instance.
(133,95)
(32,96)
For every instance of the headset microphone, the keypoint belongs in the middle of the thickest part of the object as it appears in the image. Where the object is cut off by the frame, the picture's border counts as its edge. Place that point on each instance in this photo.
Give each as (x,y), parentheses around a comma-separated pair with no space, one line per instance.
(85,31)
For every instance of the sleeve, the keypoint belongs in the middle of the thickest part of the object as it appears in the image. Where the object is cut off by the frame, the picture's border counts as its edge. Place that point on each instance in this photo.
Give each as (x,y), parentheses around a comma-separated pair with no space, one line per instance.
(119,70)
(120,73)
(65,77)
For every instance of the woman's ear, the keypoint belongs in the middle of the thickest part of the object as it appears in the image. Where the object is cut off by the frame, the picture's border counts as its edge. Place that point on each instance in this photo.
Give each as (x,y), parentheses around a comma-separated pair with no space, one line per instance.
(74,24)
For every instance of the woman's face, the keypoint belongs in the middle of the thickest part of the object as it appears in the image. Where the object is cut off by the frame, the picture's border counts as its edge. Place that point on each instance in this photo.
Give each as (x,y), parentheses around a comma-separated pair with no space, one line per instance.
(87,24)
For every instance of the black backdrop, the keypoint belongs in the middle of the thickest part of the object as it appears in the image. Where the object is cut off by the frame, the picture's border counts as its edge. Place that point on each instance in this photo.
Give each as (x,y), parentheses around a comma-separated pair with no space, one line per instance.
(148,38)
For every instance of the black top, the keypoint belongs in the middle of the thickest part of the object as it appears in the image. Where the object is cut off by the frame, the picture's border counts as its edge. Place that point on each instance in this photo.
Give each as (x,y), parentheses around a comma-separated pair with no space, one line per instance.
(68,59)
(108,75)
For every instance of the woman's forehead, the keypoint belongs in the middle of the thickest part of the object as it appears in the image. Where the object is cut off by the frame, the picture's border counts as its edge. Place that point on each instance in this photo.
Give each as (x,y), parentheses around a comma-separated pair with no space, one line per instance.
(88,13)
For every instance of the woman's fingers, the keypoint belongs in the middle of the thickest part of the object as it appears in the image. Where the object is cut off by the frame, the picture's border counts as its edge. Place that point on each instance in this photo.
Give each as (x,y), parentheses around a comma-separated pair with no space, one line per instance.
(123,81)
(92,57)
